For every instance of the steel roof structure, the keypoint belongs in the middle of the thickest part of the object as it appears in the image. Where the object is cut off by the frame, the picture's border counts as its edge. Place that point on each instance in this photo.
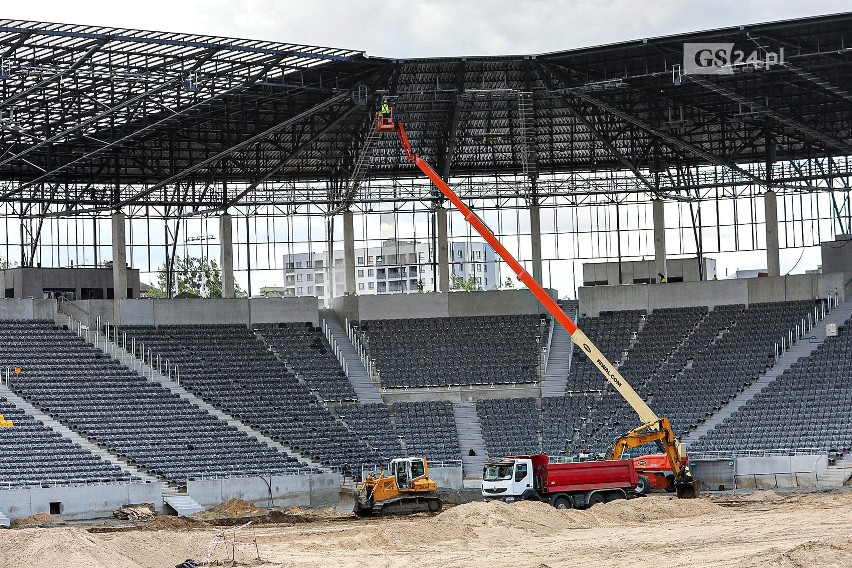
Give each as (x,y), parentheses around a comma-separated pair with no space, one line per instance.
(96,119)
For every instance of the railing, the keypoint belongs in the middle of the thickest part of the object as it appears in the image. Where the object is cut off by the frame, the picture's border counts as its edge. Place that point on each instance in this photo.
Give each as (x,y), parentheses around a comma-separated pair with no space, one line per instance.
(553,323)
(769,452)
(361,350)
(803,327)
(336,348)
(63,300)
(138,358)
(7,485)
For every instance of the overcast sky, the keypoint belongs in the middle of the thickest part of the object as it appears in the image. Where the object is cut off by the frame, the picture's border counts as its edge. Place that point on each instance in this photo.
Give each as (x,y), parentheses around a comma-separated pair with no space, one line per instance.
(424,28)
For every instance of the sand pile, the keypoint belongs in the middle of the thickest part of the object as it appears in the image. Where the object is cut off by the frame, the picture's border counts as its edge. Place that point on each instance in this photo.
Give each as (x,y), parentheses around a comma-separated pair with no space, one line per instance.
(810,531)
(37,520)
(651,508)
(530,516)
(233,508)
(536,519)
(309,515)
(835,553)
(767,496)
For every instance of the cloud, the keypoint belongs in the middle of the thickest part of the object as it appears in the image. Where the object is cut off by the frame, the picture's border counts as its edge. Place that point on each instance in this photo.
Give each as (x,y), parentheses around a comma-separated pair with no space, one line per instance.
(425,28)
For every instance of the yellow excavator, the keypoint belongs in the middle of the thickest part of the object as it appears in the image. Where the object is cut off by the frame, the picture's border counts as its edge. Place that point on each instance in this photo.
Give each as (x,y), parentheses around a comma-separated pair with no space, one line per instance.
(660,432)
(5,423)
(654,428)
(404,489)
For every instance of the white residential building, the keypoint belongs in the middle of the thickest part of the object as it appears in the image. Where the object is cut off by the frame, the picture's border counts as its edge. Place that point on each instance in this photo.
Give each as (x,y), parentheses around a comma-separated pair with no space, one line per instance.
(394,267)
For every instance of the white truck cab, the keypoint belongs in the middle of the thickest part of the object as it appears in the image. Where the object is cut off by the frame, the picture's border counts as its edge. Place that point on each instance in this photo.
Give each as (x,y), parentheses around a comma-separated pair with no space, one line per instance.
(508,479)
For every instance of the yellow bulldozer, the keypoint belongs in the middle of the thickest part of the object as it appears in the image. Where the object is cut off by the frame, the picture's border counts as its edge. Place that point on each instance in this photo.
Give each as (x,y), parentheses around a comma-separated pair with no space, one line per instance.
(404,489)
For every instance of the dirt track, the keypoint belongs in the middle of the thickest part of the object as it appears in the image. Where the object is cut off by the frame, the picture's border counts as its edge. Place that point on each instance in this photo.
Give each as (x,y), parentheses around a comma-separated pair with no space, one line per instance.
(762,530)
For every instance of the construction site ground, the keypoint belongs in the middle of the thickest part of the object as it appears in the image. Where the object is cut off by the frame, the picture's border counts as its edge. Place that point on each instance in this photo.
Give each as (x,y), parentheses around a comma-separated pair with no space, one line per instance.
(763,529)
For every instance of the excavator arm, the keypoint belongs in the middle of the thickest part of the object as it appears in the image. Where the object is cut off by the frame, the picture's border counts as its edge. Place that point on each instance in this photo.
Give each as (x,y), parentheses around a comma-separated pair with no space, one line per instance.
(660,432)
(646,415)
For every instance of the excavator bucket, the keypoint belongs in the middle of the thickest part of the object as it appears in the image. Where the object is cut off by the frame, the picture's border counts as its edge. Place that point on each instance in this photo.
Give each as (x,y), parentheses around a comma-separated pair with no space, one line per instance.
(689,490)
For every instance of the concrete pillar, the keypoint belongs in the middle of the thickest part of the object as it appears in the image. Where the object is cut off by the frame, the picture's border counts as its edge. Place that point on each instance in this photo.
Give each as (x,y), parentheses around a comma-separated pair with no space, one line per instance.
(659,239)
(329,261)
(443,275)
(349,251)
(119,264)
(535,241)
(773,261)
(226,254)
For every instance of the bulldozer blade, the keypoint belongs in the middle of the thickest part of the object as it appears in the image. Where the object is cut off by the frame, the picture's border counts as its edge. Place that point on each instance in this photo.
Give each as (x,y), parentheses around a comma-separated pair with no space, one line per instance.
(688,490)
(346,502)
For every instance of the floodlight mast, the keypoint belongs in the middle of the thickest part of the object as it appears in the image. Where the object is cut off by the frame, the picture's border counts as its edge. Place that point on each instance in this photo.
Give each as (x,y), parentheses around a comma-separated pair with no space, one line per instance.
(646,415)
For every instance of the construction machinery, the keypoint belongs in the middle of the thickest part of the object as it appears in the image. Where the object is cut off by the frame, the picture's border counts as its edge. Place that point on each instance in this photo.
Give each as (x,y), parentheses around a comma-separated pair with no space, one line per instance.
(4,423)
(574,485)
(386,121)
(659,432)
(405,488)
(658,471)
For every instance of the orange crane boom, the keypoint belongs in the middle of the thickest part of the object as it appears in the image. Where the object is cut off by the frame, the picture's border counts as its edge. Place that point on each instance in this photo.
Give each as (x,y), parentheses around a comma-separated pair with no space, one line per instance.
(646,415)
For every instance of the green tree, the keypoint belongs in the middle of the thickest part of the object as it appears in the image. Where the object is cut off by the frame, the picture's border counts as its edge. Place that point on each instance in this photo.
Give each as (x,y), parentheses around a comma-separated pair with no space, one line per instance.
(199,276)
(461,283)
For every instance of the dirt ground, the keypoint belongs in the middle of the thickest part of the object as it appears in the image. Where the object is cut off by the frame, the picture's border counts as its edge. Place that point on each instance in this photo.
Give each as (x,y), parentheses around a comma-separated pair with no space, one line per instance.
(763,529)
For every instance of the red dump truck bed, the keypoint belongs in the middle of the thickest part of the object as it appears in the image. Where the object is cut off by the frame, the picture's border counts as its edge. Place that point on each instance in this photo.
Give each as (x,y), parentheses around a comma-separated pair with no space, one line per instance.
(583,476)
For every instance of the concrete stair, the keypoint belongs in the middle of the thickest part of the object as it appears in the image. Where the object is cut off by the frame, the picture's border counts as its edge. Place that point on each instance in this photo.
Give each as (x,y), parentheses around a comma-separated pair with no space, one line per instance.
(183,504)
(834,476)
(558,362)
(470,437)
(805,346)
(70,434)
(360,380)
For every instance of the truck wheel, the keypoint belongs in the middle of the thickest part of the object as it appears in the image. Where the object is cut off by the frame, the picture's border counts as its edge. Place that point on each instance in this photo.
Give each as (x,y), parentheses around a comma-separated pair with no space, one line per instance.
(614,496)
(596,499)
(562,502)
(643,487)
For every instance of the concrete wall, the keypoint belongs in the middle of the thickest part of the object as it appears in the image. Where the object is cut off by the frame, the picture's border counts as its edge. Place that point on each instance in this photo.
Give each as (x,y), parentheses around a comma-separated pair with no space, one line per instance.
(345,308)
(714,474)
(837,256)
(436,304)
(226,310)
(772,472)
(649,297)
(27,309)
(632,270)
(395,306)
(460,393)
(447,477)
(314,490)
(79,502)
(88,311)
(31,282)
